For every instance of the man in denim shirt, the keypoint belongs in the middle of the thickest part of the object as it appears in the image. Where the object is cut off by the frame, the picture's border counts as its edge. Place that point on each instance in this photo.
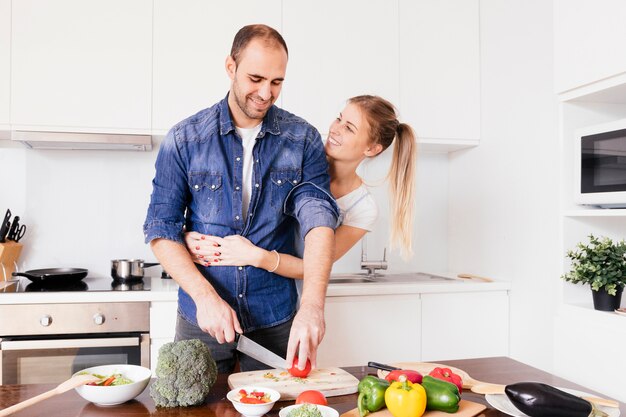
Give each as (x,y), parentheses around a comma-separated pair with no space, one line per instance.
(244,166)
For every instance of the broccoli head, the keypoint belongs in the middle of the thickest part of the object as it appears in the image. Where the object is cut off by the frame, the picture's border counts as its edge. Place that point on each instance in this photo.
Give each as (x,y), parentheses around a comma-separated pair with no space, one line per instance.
(185,372)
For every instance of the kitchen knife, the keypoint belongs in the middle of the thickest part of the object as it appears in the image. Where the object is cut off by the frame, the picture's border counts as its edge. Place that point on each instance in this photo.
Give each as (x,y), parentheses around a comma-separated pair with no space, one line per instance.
(261,354)
(13,228)
(4,227)
(382,366)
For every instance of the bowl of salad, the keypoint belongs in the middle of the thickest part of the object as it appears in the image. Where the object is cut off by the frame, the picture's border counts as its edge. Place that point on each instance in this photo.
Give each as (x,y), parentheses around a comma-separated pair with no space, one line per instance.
(308,410)
(116,385)
(253,401)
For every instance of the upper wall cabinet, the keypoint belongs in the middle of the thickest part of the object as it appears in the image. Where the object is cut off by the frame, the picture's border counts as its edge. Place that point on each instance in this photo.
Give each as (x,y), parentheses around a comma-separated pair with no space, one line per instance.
(192,39)
(82,65)
(5,64)
(589,41)
(440,71)
(338,50)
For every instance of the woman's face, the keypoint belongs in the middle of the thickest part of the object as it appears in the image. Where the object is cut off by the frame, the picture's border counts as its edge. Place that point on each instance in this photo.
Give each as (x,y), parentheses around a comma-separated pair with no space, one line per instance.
(348,136)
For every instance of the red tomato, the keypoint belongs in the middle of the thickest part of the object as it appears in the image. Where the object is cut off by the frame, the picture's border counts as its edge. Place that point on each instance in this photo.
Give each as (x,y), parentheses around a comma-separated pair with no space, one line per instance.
(300,373)
(311,397)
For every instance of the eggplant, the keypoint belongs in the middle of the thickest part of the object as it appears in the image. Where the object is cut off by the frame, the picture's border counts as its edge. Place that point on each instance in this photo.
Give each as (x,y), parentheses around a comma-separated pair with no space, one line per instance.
(541,400)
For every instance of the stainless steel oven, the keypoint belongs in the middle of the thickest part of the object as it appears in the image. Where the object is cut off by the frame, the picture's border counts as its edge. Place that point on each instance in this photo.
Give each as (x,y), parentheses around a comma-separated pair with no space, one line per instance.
(47,343)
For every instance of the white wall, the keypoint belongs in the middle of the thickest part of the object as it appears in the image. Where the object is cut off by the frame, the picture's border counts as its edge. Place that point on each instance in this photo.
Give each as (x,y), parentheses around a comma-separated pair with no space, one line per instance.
(504,194)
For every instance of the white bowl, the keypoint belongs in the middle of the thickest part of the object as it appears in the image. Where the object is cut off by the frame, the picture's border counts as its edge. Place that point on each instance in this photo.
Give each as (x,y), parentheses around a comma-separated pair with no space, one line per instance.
(117,394)
(325,410)
(253,410)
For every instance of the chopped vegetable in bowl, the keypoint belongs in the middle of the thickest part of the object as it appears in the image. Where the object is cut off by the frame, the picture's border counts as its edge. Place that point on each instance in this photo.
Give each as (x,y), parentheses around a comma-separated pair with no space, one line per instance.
(111,380)
(254,397)
(306,410)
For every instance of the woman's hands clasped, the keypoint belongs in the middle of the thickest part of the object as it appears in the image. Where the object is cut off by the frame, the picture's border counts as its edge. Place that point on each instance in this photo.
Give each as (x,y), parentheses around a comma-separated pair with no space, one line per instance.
(234,250)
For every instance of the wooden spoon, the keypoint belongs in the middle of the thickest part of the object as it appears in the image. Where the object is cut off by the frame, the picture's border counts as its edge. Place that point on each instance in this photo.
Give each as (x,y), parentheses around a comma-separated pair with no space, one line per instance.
(476,277)
(71,383)
(499,389)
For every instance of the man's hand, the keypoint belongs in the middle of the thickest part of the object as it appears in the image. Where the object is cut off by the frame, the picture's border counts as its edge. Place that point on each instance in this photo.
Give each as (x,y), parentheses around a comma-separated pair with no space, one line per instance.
(308,328)
(307,332)
(214,315)
(217,318)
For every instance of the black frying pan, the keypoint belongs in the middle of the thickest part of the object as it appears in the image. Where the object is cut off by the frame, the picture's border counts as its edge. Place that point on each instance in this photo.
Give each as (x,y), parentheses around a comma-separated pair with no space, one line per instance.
(54,276)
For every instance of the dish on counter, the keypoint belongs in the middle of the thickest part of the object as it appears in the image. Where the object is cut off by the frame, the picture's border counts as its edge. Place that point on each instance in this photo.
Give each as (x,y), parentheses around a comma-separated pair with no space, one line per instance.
(115,394)
(251,409)
(501,403)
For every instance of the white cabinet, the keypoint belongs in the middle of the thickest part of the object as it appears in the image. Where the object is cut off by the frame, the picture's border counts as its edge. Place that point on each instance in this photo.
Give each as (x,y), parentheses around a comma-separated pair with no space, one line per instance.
(192,39)
(162,327)
(415,327)
(81,65)
(465,325)
(440,71)
(5,65)
(589,40)
(338,50)
(380,328)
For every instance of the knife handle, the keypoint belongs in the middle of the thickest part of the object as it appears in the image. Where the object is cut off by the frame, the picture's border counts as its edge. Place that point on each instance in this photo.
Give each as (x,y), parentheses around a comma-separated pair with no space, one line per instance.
(382,366)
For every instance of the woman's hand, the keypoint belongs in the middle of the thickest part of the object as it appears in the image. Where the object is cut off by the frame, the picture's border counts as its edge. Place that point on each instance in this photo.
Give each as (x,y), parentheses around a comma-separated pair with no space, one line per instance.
(234,250)
(204,249)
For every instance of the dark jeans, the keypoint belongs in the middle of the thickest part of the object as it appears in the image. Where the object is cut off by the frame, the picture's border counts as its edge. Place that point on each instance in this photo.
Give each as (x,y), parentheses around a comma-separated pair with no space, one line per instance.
(226,354)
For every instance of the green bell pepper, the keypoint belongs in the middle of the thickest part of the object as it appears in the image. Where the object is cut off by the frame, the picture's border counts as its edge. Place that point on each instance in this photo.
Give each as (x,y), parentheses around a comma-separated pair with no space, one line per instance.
(371,394)
(441,395)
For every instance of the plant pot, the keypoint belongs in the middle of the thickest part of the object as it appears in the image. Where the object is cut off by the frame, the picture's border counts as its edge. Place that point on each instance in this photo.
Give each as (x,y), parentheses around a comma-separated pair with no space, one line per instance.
(604,301)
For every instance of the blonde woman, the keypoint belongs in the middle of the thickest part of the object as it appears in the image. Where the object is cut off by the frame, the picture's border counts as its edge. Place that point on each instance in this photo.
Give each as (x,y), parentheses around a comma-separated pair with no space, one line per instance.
(366,127)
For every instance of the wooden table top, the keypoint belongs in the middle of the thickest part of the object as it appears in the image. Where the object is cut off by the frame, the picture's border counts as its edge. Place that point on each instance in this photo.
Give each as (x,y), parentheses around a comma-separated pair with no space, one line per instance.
(496,370)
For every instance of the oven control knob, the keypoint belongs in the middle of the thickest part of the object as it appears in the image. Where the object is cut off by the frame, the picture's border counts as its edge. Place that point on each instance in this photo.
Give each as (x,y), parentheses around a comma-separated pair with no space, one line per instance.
(46,320)
(98,319)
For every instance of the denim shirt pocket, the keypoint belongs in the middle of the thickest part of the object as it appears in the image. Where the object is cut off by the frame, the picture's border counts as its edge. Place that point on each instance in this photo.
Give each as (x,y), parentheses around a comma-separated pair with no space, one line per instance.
(283,181)
(208,194)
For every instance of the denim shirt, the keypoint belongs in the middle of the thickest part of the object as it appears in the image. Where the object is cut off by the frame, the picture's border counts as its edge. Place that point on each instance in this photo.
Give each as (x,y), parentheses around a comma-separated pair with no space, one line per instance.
(198,185)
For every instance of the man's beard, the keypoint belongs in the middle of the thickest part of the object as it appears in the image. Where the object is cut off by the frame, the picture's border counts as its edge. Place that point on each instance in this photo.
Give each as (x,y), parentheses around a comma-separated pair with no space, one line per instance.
(242,103)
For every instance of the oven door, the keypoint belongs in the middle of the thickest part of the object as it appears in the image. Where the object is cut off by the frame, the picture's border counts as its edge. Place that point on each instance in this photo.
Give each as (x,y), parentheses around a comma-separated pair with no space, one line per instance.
(28,360)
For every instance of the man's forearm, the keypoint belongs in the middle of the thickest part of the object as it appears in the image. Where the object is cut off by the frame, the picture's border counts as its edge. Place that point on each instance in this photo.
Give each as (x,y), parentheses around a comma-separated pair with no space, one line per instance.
(319,246)
(175,259)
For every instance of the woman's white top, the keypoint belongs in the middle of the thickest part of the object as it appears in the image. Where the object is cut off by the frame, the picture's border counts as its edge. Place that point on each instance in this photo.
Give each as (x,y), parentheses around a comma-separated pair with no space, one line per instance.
(358,209)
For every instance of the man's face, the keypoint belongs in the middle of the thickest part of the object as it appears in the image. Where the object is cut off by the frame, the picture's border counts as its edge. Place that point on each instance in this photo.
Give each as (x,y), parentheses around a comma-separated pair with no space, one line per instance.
(256,81)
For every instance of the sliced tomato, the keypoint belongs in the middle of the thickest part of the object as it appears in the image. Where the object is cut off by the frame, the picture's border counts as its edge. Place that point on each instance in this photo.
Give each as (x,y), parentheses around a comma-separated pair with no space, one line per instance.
(300,373)
(251,400)
(311,397)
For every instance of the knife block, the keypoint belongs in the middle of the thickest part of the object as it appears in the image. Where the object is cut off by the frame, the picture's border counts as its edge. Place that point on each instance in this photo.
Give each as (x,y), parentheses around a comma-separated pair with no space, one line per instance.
(9,254)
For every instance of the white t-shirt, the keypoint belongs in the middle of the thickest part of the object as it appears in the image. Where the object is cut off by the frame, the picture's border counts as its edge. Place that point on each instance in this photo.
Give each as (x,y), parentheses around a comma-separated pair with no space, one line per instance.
(358,209)
(248,137)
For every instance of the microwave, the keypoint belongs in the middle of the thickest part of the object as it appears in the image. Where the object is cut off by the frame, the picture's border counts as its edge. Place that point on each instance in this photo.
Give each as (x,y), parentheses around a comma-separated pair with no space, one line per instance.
(600,165)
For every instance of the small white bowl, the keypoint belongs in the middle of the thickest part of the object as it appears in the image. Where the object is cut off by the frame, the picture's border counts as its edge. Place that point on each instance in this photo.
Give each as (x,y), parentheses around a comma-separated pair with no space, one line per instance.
(253,410)
(325,410)
(117,394)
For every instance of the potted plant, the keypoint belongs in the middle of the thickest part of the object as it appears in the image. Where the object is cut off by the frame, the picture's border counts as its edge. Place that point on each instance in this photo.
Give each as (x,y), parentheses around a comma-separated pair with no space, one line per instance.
(602,265)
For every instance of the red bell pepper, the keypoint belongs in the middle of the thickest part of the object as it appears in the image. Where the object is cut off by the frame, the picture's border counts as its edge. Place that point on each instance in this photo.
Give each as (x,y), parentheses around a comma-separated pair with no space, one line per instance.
(447,375)
(413,376)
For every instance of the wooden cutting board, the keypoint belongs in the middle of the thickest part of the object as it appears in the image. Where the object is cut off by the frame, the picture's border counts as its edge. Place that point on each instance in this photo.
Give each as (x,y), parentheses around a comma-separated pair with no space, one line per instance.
(330,381)
(466,409)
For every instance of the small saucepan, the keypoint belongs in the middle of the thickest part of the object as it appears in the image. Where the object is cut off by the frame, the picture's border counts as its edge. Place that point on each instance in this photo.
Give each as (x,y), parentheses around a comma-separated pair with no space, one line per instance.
(129,269)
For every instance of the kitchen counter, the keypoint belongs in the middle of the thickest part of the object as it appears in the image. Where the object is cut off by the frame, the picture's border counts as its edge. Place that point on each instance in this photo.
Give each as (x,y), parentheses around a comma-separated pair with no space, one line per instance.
(497,370)
(167,290)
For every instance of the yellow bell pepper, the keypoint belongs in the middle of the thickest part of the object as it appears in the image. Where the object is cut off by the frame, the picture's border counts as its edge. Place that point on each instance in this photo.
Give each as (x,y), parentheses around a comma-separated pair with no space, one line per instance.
(405,399)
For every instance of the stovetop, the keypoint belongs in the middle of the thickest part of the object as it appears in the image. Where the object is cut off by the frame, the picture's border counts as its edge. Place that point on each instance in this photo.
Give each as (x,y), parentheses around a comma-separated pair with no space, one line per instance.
(87,284)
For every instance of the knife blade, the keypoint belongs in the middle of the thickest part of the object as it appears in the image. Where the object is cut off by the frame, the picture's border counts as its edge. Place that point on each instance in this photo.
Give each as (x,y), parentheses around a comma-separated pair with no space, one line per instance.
(261,354)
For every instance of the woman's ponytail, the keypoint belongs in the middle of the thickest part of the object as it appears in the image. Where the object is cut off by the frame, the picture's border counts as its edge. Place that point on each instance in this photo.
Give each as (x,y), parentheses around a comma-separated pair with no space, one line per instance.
(402,189)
